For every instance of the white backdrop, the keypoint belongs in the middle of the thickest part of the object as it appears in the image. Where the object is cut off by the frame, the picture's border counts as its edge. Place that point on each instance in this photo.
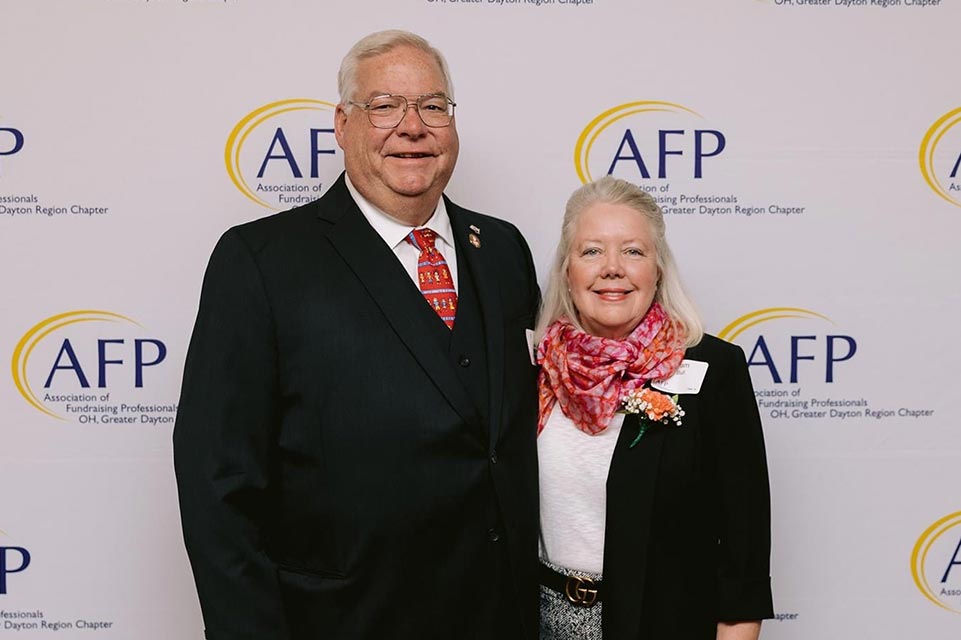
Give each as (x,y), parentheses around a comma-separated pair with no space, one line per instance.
(805,151)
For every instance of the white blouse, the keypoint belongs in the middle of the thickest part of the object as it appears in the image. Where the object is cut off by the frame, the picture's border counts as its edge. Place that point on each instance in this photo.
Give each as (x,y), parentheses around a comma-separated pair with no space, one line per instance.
(573,468)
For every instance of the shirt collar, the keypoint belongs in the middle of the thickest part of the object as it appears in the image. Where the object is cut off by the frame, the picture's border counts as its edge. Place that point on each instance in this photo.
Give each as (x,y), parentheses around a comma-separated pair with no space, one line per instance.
(392,230)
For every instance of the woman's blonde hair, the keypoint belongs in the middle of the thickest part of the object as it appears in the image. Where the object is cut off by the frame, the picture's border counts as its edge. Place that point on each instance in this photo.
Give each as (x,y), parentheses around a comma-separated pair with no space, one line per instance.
(670,292)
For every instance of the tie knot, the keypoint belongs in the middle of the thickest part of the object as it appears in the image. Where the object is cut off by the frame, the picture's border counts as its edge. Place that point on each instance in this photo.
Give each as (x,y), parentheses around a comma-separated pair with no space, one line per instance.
(422,238)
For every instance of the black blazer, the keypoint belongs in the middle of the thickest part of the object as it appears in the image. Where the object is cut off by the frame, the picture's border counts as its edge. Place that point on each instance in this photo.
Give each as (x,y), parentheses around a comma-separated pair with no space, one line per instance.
(336,479)
(687,539)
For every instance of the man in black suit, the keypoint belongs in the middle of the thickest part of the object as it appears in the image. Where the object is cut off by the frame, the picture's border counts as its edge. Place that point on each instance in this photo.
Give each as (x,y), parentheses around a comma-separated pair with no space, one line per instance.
(355,461)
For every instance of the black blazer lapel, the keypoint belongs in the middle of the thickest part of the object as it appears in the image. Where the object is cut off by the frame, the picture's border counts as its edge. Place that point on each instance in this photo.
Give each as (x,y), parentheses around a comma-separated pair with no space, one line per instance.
(632,479)
(488,296)
(381,275)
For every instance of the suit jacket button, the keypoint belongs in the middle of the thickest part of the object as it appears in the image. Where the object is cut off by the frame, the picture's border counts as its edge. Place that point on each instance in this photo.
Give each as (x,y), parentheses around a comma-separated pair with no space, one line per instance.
(493,536)
(494,458)
(464,361)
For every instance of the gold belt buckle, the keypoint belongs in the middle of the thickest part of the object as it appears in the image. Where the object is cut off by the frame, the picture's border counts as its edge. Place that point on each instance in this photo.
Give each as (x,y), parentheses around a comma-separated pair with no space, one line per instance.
(580,591)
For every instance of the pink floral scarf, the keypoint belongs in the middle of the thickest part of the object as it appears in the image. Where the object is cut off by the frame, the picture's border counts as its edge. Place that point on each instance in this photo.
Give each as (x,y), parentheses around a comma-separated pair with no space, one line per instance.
(587,375)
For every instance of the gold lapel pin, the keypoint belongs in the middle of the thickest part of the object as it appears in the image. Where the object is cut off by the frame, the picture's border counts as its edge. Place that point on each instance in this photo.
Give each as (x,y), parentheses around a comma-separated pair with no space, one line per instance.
(474,239)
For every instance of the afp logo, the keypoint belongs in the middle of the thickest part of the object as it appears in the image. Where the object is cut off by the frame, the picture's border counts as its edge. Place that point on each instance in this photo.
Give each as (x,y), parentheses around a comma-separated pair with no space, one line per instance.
(782,342)
(648,140)
(11,142)
(12,560)
(936,563)
(281,155)
(940,157)
(80,364)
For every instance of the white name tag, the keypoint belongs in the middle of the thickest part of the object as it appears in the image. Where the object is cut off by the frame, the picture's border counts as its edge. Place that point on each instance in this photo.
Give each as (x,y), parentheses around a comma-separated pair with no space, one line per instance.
(687,379)
(529,334)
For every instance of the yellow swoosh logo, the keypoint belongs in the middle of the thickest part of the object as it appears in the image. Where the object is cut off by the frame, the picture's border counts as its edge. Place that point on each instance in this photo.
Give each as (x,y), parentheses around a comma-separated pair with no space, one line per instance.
(745,322)
(928,146)
(585,141)
(33,337)
(237,137)
(920,553)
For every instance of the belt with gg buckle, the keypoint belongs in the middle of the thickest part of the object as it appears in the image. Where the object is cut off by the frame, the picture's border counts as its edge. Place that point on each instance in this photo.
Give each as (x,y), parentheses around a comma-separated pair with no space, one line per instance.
(581,591)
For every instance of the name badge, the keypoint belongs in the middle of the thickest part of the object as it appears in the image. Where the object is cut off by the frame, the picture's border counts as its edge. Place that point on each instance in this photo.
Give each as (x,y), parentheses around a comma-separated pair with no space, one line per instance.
(687,379)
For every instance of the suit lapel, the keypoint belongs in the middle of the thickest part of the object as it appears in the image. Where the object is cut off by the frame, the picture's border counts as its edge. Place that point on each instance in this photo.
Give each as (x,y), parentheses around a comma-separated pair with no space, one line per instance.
(631,483)
(477,259)
(378,270)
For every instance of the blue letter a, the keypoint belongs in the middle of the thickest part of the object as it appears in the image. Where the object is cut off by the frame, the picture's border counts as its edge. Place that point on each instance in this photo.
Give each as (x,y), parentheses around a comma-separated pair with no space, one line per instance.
(628,139)
(767,360)
(287,155)
(957,163)
(67,349)
(954,562)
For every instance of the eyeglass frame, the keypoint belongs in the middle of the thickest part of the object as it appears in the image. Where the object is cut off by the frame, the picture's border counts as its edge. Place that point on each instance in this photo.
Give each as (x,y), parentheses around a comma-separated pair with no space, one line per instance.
(366,107)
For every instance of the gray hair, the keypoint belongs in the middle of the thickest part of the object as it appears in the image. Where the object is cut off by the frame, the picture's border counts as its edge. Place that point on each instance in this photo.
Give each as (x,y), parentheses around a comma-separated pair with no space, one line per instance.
(379,43)
(670,292)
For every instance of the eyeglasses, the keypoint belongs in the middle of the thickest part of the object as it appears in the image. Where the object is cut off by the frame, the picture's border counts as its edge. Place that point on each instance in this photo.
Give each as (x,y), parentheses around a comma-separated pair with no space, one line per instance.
(388,111)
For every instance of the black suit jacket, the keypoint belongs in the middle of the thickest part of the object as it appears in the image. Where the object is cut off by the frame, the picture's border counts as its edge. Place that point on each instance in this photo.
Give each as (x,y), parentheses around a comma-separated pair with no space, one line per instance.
(336,479)
(687,539)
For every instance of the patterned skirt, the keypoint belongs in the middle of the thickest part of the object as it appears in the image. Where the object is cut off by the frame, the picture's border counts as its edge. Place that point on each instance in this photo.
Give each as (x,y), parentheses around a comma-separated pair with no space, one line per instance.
(562,620)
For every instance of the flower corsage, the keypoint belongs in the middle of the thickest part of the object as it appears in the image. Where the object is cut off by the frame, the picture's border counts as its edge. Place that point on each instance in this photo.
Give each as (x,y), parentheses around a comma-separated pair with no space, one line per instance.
(652,407)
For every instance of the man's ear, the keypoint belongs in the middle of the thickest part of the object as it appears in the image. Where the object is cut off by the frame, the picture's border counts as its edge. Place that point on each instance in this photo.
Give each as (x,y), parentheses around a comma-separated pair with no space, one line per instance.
(340,123)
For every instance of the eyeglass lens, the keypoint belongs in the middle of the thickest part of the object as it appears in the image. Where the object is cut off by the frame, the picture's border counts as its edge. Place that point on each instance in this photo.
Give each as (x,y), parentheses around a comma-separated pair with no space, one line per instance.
(388,111)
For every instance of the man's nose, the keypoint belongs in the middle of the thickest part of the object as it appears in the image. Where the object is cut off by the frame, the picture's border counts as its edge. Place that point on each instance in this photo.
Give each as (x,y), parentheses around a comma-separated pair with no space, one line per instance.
(411,123)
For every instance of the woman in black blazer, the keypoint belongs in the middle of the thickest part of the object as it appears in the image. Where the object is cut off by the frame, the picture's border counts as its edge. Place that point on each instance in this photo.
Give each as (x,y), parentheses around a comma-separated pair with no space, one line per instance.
(655,507)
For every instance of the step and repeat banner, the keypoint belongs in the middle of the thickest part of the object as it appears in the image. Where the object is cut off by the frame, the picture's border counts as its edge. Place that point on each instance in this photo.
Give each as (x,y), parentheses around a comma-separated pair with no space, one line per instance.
(807,155)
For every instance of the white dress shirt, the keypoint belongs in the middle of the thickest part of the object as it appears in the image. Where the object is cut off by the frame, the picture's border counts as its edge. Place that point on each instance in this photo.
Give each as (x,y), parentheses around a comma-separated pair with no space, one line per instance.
(394,232)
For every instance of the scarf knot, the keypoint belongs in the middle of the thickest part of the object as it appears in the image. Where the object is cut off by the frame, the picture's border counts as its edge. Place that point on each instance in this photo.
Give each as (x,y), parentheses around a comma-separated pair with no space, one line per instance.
(587,375)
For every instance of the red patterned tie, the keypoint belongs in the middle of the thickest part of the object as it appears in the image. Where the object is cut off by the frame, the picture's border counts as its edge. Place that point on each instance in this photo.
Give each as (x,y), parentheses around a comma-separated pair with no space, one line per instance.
(434,276)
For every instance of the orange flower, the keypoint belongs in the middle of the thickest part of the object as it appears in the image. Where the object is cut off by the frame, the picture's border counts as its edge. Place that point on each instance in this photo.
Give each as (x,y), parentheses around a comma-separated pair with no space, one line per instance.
(659,406)
(654,407)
